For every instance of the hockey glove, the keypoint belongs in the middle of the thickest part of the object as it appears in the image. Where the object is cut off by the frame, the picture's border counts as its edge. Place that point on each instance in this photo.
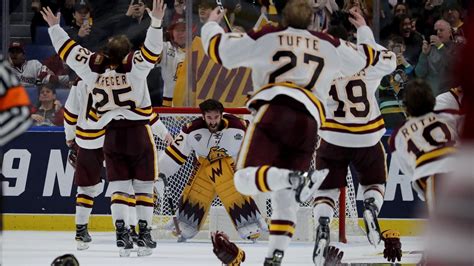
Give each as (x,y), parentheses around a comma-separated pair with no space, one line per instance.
(226,251)
(72,156)
(393,246)
(333,256)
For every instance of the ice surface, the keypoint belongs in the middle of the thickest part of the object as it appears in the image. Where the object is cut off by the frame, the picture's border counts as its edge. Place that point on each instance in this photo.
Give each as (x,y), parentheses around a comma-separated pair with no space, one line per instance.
(40,248)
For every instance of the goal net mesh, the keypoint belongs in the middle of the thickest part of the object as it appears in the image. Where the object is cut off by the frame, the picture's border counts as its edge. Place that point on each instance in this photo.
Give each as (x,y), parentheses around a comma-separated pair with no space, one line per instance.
(174,120)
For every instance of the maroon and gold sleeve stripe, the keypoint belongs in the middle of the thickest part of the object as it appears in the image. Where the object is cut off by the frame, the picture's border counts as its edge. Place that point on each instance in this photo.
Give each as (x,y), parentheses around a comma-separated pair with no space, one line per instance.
(175,154)
(369,53)
(66,49)
(69,117)
(149,56)
(213,50)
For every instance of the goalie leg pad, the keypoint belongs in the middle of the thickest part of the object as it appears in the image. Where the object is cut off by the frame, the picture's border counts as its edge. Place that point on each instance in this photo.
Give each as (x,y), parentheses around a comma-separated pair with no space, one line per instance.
(242,210)
(196,199)
(283,222)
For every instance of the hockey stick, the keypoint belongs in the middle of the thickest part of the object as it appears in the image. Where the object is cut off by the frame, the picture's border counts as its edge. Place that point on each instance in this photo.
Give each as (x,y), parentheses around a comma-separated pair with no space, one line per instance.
(170,203)
(221,8)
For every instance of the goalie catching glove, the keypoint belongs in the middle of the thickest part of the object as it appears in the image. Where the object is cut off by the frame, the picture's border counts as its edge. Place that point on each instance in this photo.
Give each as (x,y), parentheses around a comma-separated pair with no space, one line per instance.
(226,251)
(393,246)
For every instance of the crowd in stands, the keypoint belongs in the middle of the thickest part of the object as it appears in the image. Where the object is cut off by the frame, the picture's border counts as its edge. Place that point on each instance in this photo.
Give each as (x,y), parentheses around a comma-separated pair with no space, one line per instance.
(426,36)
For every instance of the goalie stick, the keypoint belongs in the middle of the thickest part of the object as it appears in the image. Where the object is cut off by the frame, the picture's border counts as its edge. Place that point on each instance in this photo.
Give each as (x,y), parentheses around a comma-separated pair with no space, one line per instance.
(170,203)
(221,8)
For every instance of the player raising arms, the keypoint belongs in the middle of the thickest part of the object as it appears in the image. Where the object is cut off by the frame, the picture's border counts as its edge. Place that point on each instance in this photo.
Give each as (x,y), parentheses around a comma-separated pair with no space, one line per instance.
(216,139)
(287,64)
(351,134)
(87,157)
(118,85)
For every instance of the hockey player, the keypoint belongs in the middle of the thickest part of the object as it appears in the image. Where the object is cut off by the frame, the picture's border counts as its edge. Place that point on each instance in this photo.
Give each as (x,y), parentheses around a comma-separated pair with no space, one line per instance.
(118,85)
(87,157)
(172,59)
(216,140)
(287,64)
(351,134)
(424,145)
(450,102)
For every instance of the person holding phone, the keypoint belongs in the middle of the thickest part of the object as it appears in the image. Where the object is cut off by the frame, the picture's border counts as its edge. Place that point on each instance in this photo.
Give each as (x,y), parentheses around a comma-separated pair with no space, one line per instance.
(437,58)
(83,30)
(134,23)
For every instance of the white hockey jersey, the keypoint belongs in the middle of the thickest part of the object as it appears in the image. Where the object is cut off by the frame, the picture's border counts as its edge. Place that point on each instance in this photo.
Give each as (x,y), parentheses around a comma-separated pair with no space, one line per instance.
(196,137)
(424,145)
(172,59)
(121,93)
(450,100)
(353,117)
(33,72)
(285,61)
(79,108)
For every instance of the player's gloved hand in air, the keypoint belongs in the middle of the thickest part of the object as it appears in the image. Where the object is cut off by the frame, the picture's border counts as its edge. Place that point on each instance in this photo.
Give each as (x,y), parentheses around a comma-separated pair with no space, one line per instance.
(393,246)
(226,251)
(333,256)
(72,155)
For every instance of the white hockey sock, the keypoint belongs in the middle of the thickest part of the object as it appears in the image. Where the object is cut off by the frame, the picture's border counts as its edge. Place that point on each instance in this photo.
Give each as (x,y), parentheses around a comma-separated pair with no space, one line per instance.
(376,191)
(255,180)
(283,222)
(132,214)
(324,203)
(144,196)
(85,201)
(120,200)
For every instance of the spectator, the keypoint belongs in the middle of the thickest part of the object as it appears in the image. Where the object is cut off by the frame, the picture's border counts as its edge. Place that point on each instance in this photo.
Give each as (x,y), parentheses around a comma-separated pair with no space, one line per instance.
(30,72)
(436,58)
(65,75)
(397,45)
(452,14)
(83,31)
(400,9)
(413,40)
(173,14)
(49,110)
(134,23)
(37,20)
(172,59)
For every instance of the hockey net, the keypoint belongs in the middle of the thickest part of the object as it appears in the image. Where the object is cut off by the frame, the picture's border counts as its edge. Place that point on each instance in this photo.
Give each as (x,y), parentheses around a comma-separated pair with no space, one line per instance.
(344,223)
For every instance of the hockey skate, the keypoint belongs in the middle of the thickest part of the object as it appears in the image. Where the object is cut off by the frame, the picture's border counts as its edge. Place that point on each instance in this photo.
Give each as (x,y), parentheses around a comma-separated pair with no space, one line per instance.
(124,241)
(322,241)
(133,234)
(275,260)
(145,243)
(371,223)
(82,237)
(306,183)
